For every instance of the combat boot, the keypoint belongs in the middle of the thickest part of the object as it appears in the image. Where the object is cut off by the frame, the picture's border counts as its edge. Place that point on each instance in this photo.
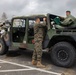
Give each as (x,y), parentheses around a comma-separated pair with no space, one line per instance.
(34,62)
(40,65)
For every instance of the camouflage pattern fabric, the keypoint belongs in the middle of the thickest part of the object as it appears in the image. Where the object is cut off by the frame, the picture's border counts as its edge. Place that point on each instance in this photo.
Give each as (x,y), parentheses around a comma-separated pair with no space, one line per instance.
(37,54)
(38,38)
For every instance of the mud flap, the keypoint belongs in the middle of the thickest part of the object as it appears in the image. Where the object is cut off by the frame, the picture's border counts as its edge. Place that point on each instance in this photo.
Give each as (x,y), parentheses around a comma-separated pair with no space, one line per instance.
(7,39)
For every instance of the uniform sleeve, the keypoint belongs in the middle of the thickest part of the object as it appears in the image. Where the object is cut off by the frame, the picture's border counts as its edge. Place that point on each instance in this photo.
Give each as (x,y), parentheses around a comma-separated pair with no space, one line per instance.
(67,21)
(42,24)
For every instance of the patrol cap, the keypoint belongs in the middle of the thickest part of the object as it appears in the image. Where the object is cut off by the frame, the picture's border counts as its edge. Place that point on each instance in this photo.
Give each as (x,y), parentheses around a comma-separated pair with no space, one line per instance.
(68,11)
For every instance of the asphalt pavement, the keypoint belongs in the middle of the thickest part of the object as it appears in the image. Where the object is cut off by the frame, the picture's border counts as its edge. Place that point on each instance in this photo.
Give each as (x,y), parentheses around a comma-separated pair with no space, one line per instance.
(18,62)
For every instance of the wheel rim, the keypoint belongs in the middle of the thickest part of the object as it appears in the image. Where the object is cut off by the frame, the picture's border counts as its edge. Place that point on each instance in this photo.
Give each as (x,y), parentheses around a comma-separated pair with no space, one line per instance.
(62,55)
(0,46)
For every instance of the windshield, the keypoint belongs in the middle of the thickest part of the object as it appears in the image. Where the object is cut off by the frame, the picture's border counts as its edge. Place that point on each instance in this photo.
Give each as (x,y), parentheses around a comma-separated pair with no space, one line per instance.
(54,19)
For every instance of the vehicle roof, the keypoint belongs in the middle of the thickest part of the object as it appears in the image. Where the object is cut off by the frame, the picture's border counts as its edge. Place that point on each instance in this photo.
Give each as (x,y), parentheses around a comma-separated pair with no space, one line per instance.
(31,16)
(34,16)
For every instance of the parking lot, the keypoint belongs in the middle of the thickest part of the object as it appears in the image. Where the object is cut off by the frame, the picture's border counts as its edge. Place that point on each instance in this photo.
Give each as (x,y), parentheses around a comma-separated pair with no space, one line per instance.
(18,62)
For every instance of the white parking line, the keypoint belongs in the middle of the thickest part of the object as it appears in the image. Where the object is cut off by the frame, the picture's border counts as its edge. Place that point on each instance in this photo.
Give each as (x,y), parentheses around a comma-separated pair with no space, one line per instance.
(15,70)
(2,62)
(31,68)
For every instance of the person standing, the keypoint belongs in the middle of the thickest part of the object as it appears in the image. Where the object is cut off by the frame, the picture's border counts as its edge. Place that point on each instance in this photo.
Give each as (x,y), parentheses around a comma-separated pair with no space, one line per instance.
(38,39)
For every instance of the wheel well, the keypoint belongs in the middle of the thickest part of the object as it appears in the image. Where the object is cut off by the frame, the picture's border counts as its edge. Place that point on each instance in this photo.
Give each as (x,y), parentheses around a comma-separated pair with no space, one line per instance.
(57,39)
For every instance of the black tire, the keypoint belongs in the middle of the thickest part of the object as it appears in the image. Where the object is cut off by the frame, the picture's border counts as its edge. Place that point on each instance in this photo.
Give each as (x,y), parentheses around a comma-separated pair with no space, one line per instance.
(3,47)
(63,54)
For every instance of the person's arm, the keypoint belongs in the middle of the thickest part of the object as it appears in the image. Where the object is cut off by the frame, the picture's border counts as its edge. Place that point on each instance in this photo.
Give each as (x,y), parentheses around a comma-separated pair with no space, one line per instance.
(63,18)
(67,21)
(43,24)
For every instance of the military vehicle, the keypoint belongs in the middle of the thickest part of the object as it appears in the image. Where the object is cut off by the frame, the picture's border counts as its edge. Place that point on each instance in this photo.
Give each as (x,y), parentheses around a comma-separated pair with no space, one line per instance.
(60,42)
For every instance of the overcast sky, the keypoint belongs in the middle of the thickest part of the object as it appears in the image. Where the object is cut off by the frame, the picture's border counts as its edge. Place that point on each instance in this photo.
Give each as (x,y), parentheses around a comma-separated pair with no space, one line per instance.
(28,7)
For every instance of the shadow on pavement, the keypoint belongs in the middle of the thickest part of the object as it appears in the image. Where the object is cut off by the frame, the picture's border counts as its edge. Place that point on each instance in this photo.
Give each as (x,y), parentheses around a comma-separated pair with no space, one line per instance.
(28,54)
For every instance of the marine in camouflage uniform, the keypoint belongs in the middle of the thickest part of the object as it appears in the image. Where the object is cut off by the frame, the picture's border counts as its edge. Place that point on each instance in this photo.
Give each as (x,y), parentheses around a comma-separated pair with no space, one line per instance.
(38,38)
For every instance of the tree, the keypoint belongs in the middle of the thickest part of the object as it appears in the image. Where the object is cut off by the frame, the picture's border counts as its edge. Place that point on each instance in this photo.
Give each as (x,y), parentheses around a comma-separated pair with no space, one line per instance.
(4,17)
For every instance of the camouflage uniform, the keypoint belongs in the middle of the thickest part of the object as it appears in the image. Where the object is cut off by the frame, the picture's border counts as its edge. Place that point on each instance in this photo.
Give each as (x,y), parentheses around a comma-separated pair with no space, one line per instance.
(38,38)
(68,20)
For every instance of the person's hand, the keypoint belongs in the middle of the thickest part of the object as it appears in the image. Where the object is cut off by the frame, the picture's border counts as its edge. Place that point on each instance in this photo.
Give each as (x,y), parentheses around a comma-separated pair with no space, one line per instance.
(62,17)
(44,19)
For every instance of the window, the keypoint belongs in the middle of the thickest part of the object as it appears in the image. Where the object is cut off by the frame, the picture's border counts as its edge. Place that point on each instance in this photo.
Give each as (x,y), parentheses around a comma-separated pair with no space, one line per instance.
(31,30)
(31,23)
(19,23)
(19,30)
